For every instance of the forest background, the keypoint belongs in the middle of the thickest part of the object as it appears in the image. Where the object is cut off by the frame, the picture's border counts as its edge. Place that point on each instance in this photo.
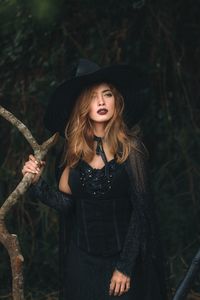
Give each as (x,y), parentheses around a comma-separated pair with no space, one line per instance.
(40,44)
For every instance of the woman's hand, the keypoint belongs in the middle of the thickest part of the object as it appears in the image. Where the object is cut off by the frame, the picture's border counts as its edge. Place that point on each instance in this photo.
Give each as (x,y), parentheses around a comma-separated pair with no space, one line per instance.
(119,284)
(34,167)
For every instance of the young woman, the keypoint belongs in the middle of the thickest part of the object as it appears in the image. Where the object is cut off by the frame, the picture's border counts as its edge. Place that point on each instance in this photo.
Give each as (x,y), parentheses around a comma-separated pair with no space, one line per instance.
(113,249)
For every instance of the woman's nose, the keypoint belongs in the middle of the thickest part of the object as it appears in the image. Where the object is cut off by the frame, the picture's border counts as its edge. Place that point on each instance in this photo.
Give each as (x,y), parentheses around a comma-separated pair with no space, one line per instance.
(101,100)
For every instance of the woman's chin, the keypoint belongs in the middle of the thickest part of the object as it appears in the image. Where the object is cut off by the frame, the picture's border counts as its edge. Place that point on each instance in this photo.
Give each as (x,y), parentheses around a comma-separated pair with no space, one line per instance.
(100,119)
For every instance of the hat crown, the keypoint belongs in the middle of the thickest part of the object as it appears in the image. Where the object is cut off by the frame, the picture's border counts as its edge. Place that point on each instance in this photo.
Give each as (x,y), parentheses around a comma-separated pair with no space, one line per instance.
(86,66)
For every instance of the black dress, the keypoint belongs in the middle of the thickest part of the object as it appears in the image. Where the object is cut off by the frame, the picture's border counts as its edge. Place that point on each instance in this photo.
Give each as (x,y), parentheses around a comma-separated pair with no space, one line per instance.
(102,216)
(104,235)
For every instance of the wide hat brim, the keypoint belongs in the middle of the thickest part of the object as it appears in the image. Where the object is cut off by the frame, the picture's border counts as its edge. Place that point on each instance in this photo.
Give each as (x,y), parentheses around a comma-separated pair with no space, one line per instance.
(131,82)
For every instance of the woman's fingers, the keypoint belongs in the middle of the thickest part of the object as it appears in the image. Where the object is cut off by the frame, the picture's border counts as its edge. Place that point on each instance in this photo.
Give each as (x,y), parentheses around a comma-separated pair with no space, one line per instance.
(112,287)
(33,166)
(117,288)
(120,283)
(36,164)
(32,158)
(127,286)
(122,288)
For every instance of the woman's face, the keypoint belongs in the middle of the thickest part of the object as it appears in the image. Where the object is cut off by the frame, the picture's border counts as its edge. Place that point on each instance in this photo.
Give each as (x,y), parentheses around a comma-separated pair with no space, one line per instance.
(102,104)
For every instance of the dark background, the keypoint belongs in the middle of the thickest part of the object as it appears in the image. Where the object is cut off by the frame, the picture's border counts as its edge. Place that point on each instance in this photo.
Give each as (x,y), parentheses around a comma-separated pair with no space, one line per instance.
(40,43)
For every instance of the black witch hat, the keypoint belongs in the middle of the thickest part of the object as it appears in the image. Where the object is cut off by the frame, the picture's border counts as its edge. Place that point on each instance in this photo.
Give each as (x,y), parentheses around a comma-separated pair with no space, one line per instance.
(130,81)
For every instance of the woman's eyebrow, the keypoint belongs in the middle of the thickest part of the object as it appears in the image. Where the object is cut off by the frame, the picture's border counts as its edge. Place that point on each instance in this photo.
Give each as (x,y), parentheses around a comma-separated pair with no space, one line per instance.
(104,91)
(108,90)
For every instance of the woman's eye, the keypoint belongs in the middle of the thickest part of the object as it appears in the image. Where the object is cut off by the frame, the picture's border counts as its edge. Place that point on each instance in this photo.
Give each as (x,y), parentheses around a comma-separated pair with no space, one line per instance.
(108,94)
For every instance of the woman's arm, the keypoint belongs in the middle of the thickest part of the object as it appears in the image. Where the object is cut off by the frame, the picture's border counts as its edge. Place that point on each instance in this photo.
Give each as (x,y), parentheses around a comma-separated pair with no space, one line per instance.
(121,278)
(130,251)
(142,222)
(143,238)
(61,199)
(57,199)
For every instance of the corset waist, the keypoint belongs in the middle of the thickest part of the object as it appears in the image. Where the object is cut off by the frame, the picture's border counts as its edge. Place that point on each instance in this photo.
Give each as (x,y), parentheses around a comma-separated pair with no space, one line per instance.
(100,226)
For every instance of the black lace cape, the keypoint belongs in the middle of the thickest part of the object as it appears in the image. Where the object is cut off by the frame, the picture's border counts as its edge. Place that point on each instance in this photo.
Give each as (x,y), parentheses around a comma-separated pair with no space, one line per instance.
(143,235)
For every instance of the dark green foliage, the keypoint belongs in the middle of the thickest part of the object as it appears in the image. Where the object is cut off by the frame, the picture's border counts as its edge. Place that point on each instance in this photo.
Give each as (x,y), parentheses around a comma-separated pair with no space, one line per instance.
(40,44)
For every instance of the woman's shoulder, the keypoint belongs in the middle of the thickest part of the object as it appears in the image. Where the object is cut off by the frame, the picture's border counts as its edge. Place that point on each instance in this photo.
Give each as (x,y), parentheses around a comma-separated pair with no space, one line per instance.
(138,146)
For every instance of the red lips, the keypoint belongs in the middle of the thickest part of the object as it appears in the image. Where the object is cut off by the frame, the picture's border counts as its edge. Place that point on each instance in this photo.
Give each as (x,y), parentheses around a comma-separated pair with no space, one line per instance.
(102,111)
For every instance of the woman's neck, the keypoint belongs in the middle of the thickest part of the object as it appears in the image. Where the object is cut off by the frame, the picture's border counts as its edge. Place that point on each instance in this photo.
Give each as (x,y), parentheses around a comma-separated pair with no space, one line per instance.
(99,130)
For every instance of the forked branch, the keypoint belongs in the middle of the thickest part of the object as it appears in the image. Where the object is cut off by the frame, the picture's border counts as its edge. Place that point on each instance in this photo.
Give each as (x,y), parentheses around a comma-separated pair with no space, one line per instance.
(10,241)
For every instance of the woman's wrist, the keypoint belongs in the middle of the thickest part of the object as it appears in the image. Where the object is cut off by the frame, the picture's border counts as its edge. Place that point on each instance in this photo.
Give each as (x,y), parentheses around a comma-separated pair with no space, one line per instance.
(37,181)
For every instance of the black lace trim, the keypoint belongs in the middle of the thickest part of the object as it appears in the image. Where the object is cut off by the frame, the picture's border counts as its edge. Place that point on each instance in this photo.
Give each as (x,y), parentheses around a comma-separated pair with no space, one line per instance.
(94,180)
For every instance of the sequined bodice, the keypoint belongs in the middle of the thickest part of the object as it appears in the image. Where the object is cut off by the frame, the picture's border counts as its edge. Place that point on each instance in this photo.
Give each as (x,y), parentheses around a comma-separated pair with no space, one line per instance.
(84,180)
(95,181)
(103,206)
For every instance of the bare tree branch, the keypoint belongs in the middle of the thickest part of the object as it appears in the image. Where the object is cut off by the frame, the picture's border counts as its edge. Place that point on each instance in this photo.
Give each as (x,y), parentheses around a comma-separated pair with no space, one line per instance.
(186,283)
(10,241)
(20,126)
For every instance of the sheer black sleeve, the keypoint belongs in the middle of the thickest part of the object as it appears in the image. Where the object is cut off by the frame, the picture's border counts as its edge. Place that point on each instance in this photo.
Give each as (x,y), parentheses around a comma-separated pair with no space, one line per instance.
(51,197)
(130,251)
(141,231)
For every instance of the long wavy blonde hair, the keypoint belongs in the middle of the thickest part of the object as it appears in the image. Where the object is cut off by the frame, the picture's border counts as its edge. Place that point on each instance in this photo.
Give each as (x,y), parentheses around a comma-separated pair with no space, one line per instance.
(79,131)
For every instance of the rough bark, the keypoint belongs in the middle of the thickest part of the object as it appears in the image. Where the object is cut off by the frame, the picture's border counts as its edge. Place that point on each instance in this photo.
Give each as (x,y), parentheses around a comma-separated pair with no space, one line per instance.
(10,241)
